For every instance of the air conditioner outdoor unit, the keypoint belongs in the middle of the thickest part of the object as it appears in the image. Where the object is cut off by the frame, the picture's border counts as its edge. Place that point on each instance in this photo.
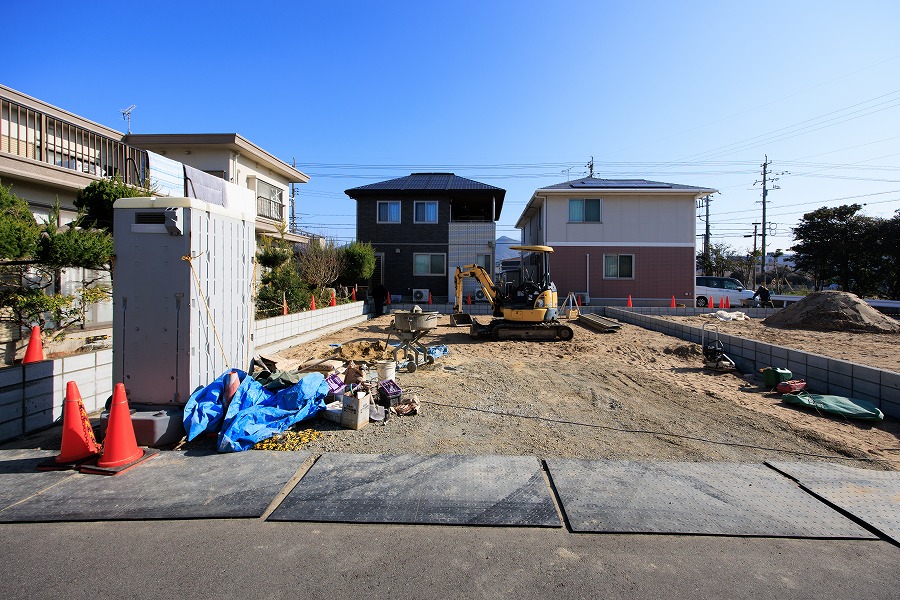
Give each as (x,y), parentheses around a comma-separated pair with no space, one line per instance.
(480,296)
(420,295)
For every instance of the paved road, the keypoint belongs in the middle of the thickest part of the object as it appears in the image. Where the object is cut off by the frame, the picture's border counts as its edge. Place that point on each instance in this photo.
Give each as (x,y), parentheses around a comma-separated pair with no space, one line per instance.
(250,558)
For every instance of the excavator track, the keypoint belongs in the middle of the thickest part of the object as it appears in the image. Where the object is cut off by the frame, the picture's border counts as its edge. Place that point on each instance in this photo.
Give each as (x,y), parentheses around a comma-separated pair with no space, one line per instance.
(500,329)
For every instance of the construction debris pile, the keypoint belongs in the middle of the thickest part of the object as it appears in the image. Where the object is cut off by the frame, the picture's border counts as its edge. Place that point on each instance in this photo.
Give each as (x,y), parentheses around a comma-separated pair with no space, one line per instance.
(833,311)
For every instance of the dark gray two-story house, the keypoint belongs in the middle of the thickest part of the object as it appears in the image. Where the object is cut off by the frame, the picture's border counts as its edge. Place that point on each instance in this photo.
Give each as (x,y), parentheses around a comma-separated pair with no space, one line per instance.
(425,225)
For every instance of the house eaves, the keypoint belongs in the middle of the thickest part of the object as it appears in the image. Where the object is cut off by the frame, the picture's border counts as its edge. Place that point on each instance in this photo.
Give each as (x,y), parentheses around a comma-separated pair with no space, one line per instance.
(592,187)
(232,141)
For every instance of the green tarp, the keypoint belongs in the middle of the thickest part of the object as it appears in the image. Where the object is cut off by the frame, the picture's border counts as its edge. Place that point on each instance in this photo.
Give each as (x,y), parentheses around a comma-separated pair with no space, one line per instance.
(851,408)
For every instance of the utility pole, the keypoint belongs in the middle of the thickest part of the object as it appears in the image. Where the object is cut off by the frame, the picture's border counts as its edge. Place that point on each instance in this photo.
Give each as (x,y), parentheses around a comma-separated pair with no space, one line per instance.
(590,167)
(766,180)
(707,235)
(755,234)
(764,193)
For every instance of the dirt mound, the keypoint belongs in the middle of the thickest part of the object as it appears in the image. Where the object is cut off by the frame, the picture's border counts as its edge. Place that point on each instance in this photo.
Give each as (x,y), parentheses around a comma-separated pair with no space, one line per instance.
(687,351)
(833,311)
(362,351)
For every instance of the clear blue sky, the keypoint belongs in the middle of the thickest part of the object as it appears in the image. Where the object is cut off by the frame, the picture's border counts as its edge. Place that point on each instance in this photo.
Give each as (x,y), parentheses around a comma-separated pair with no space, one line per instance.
(508,93)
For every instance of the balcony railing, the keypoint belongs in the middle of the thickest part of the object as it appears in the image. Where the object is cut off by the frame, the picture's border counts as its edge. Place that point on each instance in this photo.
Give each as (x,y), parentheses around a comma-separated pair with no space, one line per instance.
(32,134)
(269,209)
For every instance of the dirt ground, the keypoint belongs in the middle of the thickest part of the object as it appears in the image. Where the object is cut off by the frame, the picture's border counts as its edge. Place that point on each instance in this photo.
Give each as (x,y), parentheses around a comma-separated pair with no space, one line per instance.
(631,394)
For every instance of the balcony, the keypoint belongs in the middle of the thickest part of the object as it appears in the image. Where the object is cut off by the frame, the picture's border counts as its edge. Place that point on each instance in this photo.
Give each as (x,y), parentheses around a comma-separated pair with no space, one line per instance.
(269,209)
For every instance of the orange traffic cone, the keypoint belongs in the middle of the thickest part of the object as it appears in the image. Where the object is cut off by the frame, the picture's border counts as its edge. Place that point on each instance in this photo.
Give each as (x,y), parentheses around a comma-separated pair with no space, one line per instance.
(578,300)
(333,300)
(353,294)
(469,298)
(120,449)
(672,303)
(629,301)
(78,441)
(35,351)
(727,302)
(429,297)
(284,304)
(388,301)
(312,302)
(721,302)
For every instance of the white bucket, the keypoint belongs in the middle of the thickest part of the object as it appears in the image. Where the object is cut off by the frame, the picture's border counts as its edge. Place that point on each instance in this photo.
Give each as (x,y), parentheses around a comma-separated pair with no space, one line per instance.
(386,370)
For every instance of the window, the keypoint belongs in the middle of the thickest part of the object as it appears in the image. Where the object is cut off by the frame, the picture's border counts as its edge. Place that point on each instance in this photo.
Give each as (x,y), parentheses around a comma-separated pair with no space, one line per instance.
(426,212)
(429,264)
(618,266)
(584,210)
(389,212)
(484,261)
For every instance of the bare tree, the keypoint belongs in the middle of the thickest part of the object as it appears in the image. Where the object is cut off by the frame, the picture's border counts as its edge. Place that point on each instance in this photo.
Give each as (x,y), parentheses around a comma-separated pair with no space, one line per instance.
(319,263)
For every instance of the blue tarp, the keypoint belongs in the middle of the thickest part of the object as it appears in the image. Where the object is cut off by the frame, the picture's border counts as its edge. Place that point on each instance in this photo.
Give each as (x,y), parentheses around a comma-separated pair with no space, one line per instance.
(255,413)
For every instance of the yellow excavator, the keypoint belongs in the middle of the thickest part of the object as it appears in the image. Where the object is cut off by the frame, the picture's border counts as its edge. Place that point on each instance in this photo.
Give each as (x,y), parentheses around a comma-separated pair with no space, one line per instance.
(528,312)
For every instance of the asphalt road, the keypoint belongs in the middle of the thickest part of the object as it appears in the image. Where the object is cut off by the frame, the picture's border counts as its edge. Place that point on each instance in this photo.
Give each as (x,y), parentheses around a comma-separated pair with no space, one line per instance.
(250,558)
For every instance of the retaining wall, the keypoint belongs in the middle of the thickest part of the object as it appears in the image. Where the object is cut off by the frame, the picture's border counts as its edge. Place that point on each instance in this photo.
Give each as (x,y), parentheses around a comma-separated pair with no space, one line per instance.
(824,375)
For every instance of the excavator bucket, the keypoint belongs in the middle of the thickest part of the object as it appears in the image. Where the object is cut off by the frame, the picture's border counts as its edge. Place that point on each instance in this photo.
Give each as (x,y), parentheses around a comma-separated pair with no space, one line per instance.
(457,319)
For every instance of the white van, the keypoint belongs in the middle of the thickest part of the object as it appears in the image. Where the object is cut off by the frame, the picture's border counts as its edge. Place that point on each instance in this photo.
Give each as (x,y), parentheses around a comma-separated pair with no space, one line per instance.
(710,291)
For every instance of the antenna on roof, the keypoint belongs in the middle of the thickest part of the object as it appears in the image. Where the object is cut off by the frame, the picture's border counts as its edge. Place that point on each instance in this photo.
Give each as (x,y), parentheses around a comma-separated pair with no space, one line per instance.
(126,114)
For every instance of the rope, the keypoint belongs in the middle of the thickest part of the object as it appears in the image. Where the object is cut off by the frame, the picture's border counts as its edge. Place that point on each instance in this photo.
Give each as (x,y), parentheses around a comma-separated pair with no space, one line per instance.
(190,261)
(252,314)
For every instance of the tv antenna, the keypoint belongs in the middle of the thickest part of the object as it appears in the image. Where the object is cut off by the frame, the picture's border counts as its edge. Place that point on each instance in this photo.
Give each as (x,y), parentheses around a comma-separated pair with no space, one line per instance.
(126,114)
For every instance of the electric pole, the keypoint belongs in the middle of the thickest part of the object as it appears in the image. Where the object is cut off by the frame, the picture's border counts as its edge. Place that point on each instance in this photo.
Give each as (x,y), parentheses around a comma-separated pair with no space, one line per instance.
(754,234)
(766,180)
(764,193)
(590,167)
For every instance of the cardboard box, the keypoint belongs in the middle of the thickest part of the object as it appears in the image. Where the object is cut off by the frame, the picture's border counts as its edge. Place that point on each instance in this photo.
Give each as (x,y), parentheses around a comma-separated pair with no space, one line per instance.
(355,410)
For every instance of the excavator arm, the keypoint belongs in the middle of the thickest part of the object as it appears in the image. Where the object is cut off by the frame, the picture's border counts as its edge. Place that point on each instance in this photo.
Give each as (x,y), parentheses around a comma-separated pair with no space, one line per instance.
(482,277)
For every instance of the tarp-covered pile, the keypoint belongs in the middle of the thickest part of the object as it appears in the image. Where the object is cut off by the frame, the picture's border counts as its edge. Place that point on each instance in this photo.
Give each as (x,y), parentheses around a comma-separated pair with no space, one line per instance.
(254,413)
(851,408)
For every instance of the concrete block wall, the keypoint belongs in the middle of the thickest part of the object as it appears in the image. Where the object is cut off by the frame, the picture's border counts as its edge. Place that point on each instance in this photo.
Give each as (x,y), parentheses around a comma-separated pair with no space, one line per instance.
(32,396)
(824,375)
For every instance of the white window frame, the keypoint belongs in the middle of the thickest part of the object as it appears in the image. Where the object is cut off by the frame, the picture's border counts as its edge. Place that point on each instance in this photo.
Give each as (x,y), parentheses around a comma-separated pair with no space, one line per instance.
(583,219)
(426,202)
(618,257)
(378,212)
(430,274)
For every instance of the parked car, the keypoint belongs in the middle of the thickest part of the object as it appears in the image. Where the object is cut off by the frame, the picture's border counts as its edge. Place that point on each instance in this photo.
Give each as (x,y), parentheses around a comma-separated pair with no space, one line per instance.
(709,291)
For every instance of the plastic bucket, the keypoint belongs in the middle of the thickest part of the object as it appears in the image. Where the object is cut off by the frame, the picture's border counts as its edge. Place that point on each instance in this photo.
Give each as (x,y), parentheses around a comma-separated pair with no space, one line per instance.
(386,370)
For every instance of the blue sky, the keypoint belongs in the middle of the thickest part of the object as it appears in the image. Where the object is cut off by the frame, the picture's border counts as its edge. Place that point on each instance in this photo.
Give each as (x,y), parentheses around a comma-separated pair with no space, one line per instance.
(516,94)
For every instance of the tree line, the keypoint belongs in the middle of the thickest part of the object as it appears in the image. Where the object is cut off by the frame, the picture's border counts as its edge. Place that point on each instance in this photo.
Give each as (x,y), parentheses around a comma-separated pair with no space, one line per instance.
(858,253)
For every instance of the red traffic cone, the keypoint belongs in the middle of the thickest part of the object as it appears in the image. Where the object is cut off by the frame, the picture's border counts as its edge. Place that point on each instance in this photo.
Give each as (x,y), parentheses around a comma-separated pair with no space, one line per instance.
(353,294)
(231,386)
(469,298)
(629,301)
(284,304)
(120,446)
(429,297)
(78,441)
(577,300)
(388,301)
(35,351)
(333,300)
(312,302)
(727,302)
(672,304)
(721,302)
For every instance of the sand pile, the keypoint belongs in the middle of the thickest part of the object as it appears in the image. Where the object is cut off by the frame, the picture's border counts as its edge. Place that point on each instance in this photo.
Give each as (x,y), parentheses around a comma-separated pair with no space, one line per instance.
(833,311)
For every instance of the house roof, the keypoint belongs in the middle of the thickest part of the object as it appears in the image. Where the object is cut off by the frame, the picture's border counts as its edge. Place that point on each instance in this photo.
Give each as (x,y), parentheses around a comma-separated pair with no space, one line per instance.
(427,181)
(231,141)
(594,183)
(623,186)
(466,191)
